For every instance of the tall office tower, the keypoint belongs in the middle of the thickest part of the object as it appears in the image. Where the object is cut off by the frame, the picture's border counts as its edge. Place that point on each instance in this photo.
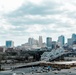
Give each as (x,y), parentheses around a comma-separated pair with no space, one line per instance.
(49,42)
(54,44)
(9,44)
(36,42)
(40,41)
(73,37)
(61,40)
(69,41)
(30,41)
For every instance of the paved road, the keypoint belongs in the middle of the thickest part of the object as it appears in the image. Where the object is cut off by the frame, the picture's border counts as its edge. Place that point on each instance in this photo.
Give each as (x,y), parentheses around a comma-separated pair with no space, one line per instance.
(28,71)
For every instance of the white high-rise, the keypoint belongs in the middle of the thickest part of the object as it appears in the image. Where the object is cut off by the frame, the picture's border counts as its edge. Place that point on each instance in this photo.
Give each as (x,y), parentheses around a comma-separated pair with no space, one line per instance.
(30,42)
(61,40)
(40,41)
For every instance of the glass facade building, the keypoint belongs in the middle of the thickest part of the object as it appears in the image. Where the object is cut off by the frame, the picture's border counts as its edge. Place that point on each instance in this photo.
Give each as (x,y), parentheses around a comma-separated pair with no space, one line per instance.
(61,40)
(9,44)
(49,42)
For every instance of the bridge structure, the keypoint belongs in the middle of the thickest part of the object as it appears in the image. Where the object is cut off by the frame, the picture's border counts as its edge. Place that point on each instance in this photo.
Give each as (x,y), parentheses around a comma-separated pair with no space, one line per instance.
(54,54)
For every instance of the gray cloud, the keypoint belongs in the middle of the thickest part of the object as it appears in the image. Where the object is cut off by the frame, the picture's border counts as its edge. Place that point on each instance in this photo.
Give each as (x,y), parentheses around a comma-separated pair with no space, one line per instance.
(27,21)
(72,15)
(43,9)
(47,8)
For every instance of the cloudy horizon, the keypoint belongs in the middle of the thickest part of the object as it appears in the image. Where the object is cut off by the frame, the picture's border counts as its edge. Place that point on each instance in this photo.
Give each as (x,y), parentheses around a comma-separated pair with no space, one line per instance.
(21,19)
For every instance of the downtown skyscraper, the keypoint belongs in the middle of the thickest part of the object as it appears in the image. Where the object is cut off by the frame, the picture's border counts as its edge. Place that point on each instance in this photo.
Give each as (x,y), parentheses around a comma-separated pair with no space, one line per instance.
(9,44)
(40,41)
(73,38)
(61,40)
(49,42)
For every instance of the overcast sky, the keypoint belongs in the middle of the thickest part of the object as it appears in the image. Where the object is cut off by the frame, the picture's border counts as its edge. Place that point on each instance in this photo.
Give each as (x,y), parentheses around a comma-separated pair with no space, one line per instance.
(21,19)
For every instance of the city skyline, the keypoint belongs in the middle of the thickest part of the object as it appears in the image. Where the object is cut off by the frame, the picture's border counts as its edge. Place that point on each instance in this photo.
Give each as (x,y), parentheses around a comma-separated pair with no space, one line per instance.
(48,41)
(21,19)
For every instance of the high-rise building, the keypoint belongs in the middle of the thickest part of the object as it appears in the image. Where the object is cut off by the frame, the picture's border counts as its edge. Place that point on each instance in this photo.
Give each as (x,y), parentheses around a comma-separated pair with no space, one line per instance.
(69,41)
(9,44)
(61,40)
(49,42)
(73,37)
(40,41)
(54,44)
(30,41)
